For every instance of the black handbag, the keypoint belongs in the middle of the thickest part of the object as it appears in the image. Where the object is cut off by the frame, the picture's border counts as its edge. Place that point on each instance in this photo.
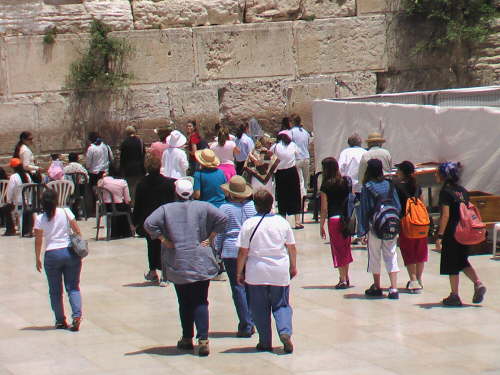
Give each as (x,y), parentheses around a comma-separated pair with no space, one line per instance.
(348,218)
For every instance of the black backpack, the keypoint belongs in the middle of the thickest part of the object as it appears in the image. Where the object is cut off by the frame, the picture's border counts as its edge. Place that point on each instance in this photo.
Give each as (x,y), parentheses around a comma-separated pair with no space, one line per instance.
(385,218)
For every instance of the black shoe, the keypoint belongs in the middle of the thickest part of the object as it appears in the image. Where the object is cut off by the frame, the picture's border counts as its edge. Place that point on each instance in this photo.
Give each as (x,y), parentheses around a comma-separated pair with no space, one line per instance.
(393,294)
(479,292)
(61,325)
(452,300)
(262,348)
(373,291)
(287,343)
(246,333)
(342,285)
(185,344)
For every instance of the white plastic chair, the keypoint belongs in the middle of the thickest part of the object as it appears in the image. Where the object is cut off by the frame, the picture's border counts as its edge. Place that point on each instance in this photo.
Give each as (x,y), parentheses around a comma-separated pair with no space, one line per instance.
(64,189)
(496,229)
(3,192)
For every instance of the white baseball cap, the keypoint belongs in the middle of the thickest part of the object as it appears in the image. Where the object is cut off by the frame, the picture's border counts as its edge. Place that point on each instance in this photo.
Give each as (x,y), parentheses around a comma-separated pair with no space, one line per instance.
(184,187)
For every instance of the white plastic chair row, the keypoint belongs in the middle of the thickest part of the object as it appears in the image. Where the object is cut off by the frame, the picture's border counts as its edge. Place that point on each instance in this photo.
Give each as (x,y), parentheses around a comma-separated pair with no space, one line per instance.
(496,229)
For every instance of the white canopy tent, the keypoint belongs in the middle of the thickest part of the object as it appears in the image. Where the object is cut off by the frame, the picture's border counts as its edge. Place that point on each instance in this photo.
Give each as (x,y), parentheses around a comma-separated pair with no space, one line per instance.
(469,133)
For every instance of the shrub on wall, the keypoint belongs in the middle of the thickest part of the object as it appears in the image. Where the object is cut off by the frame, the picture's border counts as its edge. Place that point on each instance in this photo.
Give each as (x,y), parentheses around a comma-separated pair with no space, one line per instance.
(453,22)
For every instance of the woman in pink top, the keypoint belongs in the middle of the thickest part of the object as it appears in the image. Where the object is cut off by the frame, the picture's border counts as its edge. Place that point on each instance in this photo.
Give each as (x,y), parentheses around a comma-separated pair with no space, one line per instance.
(225,149)
(119,195)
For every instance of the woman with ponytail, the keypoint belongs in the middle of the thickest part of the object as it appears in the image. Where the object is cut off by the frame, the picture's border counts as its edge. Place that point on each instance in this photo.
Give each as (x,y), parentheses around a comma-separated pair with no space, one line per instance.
(61,264)
(23,152)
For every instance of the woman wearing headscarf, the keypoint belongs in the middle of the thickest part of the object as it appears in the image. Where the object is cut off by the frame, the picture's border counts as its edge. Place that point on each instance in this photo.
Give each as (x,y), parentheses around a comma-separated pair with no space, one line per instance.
(61,264)
(23,152)
(454,255)
(186,228)
(153,191)
(287,177)
(239,208)
(14,197)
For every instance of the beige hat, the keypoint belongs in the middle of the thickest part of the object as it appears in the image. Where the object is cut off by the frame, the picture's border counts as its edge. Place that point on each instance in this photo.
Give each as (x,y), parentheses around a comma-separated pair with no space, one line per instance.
(237,187)
(375,138)
(207,158)
(176,139)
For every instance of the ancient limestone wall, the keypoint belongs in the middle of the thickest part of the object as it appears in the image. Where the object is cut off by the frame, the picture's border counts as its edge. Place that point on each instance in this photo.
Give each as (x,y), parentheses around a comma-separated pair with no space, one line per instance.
(210,60)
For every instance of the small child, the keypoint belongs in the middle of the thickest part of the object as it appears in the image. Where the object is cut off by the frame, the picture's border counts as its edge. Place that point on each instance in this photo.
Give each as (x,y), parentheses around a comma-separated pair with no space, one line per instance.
(56,169)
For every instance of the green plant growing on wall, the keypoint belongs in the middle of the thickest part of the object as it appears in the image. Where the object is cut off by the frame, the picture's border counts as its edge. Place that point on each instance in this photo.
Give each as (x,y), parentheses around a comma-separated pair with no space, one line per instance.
(98,81)
(453,22)
(49,37)
(102,65)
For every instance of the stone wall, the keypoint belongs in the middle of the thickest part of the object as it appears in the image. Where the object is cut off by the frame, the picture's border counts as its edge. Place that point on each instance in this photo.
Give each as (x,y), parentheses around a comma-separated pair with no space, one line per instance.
(210,60)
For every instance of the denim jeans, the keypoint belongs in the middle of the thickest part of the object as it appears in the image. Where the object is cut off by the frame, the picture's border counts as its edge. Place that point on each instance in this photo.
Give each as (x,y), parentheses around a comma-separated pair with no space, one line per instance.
(265,299)
(240,297)
(63,264)
(193,308)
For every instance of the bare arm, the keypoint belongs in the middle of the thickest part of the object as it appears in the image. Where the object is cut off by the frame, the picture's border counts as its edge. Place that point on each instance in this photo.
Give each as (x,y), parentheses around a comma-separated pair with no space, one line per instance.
(443,222)
(323,214)
(75,228)
(196,194)
(38,249)
(240,265)
(292,253)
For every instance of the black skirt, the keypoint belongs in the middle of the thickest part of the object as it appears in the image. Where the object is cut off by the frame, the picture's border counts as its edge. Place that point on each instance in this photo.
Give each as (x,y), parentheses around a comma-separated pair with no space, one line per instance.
(454,256)
(288,191)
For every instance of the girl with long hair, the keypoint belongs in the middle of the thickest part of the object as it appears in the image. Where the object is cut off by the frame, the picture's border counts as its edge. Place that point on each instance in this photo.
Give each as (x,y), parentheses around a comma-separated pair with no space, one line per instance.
(334,193)
(454,256)
(61,264)
(225,149)
(22,151)
(413,250)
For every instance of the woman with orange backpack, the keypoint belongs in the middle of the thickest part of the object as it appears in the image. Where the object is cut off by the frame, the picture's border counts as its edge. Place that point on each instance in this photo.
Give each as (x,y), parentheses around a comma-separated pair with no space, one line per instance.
(454,254)
(412,242)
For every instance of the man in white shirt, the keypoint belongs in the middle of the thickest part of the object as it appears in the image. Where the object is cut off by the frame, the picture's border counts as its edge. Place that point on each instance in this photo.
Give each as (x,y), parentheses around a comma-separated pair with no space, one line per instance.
(98,158)
(246,145)
(349,160)
(301,138)
(375,151)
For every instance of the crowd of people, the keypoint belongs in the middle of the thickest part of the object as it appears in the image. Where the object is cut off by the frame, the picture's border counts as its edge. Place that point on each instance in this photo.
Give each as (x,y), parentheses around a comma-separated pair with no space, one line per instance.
(205,208)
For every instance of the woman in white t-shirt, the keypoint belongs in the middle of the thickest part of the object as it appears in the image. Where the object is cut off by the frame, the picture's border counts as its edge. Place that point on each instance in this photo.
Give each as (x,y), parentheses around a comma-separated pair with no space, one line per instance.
(287,179)
(225,149)
(266,262)
(60,262)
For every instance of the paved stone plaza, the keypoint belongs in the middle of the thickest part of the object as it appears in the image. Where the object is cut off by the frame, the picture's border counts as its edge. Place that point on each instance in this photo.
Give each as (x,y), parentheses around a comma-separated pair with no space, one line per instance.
(131,327)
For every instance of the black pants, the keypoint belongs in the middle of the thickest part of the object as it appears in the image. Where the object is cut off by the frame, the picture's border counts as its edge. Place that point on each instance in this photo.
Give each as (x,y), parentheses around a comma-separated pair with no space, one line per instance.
(193,308)
(154,253)
(239,167)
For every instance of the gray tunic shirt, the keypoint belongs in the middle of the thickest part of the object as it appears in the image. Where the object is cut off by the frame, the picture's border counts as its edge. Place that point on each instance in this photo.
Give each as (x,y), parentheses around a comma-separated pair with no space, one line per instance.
(187,224)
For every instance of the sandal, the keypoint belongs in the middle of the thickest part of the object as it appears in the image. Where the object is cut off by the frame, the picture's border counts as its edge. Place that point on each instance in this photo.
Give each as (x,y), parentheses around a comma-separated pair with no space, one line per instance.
(299,226)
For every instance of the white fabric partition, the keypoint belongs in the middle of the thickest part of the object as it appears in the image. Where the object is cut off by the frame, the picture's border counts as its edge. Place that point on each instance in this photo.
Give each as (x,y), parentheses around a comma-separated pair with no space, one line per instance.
(417,133)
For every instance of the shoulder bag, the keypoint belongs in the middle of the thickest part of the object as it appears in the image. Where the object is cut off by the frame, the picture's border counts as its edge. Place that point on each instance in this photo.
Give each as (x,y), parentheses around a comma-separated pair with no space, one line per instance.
(78,244)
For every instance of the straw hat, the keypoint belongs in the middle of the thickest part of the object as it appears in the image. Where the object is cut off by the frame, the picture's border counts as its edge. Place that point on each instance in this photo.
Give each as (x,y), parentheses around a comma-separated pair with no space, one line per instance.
(207,158)
(237,187)
(375,138)
(176,139)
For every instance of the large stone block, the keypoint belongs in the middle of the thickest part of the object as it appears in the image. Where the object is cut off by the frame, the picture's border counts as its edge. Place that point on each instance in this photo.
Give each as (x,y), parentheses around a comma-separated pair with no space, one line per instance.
(328,9)
(378,6)
(15,118)
(161,55)
(35,16)
(150,14)
(302,94)
(341,45)
(245,51)
(201,105)
(264,100)
(273,10)
(35,67)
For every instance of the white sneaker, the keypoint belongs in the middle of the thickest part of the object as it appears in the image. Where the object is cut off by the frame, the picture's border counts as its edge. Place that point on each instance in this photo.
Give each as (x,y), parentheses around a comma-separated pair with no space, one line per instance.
(414,287)
(163,283)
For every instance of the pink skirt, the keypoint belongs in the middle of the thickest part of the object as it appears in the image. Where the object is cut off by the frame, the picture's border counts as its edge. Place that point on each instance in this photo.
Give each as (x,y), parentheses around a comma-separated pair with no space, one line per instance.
(340,245)
(413,250)
(228,169)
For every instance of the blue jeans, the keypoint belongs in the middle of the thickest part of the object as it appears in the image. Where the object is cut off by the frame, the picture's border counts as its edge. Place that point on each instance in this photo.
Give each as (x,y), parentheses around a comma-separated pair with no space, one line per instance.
(265,299)
(240,297)
(193,308)
(59,264)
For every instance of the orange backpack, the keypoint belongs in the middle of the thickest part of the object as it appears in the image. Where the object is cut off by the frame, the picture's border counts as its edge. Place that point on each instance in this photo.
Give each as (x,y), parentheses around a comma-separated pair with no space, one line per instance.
(415,222)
